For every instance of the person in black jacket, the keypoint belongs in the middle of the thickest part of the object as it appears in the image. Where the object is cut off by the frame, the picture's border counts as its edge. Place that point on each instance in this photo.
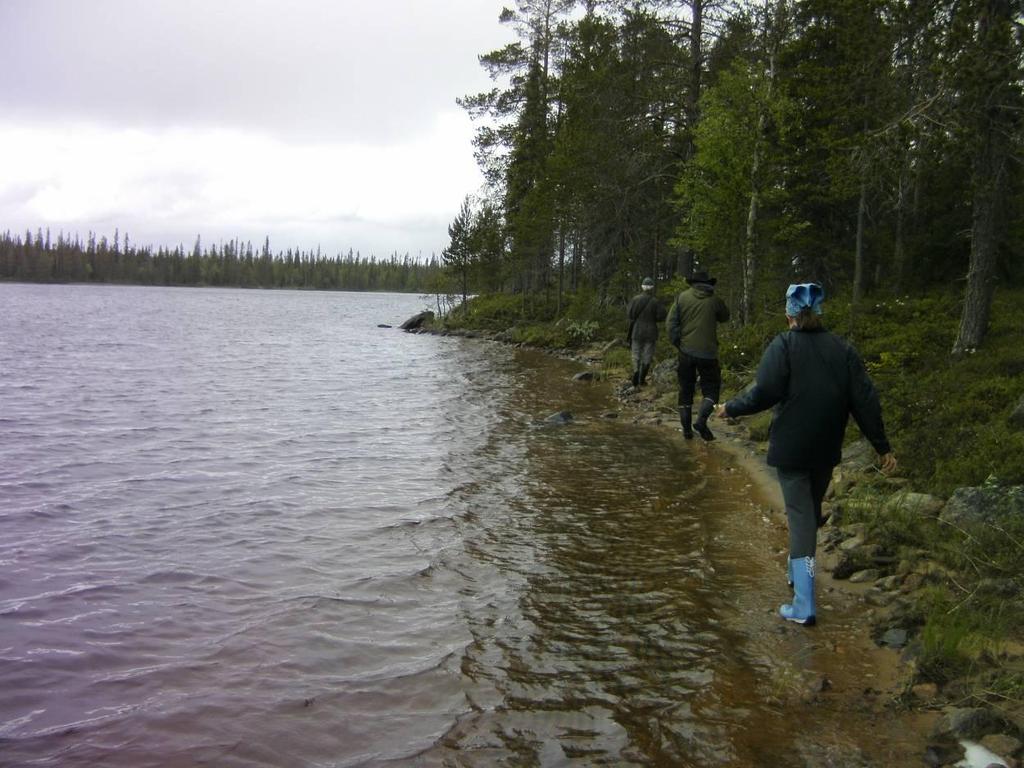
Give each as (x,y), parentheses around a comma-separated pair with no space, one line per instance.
(645,312)
(815,381)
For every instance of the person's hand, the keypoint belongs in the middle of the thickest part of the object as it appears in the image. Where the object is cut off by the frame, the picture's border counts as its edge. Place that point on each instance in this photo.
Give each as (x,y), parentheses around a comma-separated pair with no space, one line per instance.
(720,411)
(888,463)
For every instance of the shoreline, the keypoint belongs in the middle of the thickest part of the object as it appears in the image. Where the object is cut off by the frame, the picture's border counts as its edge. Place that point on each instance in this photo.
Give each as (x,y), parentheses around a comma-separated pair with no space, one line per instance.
(886,543)
(859,676)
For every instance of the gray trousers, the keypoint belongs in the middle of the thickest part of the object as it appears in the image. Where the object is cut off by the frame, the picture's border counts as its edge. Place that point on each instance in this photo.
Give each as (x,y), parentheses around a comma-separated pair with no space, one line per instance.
(643,353)
(803,491)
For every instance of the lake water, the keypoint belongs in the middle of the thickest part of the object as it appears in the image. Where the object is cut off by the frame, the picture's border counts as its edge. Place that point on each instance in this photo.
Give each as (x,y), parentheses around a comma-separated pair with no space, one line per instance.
(251,528)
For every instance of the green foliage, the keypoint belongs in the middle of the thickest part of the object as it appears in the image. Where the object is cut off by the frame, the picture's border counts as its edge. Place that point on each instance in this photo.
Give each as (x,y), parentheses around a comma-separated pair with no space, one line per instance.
(759,426)
(950,638)
(618,363)
(960,617)
(541,335)
(491,311)
(582,331)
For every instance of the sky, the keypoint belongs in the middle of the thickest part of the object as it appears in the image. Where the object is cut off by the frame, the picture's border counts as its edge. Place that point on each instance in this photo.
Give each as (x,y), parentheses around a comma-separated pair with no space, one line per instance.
(328,123)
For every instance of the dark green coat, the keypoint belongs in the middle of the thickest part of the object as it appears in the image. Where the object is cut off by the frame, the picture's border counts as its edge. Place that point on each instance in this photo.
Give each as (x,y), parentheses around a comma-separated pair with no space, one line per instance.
(693,321)
(644,313)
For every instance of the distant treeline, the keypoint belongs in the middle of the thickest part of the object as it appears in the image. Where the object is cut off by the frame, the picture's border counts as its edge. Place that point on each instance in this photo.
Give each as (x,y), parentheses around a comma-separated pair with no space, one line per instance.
(40,259)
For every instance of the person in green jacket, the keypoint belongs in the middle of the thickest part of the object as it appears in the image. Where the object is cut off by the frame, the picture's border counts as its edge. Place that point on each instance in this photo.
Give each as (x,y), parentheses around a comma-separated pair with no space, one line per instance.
(693,330)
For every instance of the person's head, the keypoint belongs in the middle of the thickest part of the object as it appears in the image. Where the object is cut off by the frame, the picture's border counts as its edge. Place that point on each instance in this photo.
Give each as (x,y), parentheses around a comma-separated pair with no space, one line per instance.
(647,284)
(701,277)
(803,305)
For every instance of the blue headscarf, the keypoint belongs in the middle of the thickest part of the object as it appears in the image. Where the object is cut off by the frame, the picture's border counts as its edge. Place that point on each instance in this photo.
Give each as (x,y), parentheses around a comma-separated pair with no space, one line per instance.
(800,296)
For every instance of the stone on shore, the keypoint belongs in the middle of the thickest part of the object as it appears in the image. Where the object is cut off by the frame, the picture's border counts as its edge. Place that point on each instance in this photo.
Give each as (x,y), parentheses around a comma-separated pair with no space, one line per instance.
(968,723)
(859,456)
(560,418)
(417,320)
(984,504)
(917,503)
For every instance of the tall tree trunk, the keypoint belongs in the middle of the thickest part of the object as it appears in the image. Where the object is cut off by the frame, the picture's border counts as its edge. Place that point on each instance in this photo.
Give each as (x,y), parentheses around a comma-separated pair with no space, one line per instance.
(750,252)
(858,256)
(990,172)
(687,258)
(989,192)
(899,247)
(684,264)
(561,265)
(696,61)
(654,257)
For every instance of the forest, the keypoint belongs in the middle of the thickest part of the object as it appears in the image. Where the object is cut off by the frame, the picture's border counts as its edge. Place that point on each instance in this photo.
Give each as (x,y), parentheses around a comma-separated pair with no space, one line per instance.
(42,259)
(871,145)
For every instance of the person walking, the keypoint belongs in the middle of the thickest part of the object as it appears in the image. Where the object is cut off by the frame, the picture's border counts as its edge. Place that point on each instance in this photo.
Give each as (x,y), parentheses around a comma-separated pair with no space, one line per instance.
(693,330)
(645,312)
(815,381)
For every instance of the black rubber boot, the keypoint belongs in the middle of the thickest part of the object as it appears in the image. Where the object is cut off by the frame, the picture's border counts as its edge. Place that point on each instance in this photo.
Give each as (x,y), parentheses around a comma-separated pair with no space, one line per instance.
(636,378)
(701,424)
(644,369)
(685,417)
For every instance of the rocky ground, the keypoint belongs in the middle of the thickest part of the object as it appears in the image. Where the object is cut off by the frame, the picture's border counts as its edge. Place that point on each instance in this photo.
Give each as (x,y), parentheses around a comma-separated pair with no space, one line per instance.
(888,588)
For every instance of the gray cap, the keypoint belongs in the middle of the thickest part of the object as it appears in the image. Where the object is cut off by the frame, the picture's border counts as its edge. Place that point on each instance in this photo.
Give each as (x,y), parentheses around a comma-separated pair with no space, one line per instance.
(647,283)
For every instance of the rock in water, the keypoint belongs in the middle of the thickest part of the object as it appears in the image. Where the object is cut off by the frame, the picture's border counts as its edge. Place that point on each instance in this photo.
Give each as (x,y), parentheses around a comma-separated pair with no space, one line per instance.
(562,417)
(417,320)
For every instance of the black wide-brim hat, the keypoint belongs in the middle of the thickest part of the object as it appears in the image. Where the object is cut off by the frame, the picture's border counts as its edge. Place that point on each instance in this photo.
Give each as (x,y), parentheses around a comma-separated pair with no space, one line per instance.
(701,277)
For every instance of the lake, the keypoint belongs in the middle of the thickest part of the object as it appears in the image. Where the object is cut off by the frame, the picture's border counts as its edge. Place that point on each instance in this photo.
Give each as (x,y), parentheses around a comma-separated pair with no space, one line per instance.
(252,528)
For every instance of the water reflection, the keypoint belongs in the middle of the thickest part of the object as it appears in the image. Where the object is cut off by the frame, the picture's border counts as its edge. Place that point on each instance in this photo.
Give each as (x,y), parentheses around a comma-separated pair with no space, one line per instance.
(251,529)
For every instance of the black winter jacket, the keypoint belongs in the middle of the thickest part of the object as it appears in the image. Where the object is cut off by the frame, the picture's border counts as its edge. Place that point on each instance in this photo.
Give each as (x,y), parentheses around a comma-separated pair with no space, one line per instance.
(815,380)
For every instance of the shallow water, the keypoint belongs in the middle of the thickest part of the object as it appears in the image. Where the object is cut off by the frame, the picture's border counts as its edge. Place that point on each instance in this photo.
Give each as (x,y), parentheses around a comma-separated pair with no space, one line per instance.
(252,528)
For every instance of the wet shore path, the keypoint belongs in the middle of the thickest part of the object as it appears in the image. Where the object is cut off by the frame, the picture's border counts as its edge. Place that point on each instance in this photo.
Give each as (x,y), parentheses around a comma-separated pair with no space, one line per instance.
(621,588)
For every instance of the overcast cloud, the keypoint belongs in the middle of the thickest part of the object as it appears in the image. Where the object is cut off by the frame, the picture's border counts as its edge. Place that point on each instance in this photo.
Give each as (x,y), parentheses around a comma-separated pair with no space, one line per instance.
(329,122)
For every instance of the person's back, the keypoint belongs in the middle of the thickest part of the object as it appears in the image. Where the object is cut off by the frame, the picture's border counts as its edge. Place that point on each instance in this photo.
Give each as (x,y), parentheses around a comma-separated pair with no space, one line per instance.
(693,330)
(693,325)
(817,381)
(645,312)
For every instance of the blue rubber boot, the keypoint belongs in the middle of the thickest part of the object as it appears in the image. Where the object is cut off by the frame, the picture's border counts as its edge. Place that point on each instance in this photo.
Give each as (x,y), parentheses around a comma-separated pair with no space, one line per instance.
(789,572)
(801,610)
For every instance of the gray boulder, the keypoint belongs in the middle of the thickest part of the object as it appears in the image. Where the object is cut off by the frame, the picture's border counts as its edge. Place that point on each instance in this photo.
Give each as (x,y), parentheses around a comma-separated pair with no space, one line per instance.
(560,418)
(967,723)
(917,503)
(895,638)
(417,320)
(984,504)
(859,456)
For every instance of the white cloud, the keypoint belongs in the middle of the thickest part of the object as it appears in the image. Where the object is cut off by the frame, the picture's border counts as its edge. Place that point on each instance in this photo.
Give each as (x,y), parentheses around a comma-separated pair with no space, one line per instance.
(314,121)
(237,183)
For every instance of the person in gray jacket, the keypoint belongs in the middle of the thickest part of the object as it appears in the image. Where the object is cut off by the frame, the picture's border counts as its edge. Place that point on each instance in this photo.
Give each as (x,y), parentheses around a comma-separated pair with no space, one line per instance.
(693,330)
(645,312)
(815,381)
